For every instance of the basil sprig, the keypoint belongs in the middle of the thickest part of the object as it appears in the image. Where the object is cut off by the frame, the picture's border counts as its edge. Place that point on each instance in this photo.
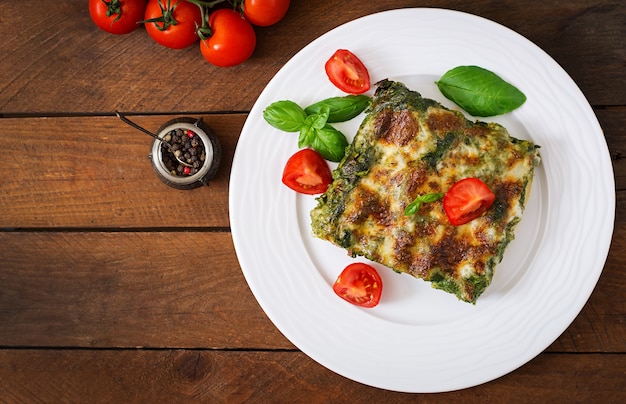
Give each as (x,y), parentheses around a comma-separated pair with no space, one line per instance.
(313,123)
(479,91)
(413,207)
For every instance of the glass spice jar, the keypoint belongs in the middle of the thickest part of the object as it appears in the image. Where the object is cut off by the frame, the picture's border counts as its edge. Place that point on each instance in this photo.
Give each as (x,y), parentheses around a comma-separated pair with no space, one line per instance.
(197,148)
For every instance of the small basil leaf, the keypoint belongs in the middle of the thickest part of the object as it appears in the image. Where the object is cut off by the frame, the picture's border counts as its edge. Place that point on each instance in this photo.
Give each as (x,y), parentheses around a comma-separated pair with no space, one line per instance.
(307,134)
(414,207)
(340,109)
(285,115)
(432,197)
(317,121)
(311,123)
(330,143)
(479,91)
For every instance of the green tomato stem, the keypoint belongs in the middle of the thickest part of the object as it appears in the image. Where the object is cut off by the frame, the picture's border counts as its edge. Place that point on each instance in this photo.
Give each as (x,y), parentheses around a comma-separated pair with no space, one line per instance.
(113,7)
(205,31)
(167,17)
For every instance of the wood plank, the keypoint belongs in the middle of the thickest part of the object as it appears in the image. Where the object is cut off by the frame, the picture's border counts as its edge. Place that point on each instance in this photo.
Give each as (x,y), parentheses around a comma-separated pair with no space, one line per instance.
(116,288)
(112,183)
(41,43)
(120,289)
(108,187)
(182,289)
(613,123)
(277,377)
(578,35)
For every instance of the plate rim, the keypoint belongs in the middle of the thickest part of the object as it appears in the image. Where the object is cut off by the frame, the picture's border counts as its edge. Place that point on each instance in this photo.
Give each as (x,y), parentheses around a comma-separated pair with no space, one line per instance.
(240,245)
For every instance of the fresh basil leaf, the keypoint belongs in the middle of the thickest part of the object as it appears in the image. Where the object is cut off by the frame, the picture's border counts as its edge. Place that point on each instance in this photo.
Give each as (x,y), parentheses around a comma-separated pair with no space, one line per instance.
(318,120)
(414,207)
(285,115)
(479,91)
(330,143)
(311,123)
(431,197)
(306,136)
(340,109)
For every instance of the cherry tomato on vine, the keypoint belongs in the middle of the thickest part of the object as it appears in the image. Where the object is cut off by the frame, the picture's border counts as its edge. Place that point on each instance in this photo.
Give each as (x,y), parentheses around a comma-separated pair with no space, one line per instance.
(347,72)
(359,284)
(232,41)
(264,13)
(307,172)
(117,16)
(466,200)
(172,23)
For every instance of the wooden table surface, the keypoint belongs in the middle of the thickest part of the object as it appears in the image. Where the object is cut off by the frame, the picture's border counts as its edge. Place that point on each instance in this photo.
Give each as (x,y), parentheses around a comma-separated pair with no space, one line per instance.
(115,287)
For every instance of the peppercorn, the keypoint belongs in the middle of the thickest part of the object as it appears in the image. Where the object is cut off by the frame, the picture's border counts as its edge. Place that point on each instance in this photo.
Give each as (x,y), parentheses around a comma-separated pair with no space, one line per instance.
(185,145)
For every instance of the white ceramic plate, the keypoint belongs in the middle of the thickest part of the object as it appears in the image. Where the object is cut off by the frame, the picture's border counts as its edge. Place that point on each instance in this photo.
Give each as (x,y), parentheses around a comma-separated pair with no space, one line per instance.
(419,339)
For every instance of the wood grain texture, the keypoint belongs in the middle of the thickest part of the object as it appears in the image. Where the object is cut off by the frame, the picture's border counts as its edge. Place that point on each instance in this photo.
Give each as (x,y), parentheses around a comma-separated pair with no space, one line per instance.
(279,377)
(117,288)
(613,123)
(54,54)
(95,172)
(165,289)
(185,289)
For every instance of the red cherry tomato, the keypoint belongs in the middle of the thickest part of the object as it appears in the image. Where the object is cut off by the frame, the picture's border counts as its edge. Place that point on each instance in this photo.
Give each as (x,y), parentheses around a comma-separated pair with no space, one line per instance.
(307,172)
(466,200)
(347,72)
(178,21)
(264,13)
(117,16)
(233,39)
(359,284)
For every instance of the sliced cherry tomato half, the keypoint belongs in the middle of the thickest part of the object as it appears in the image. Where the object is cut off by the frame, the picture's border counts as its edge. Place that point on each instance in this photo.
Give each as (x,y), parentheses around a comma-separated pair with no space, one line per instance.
(307,172)
(466,200)
(359,284)
(347,72)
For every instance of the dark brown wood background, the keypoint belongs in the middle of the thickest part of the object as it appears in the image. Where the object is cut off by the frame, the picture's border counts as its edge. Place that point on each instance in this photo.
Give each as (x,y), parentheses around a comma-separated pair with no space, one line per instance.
(114,287)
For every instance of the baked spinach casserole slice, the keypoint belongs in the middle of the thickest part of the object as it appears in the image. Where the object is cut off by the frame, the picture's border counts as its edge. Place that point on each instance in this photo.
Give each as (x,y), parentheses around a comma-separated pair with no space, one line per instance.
(408,146)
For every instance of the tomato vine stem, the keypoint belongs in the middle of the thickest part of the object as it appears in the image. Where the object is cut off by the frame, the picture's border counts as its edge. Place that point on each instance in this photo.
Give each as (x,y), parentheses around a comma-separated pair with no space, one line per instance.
(205,31)
(208,4)
(113,7)
(167,16)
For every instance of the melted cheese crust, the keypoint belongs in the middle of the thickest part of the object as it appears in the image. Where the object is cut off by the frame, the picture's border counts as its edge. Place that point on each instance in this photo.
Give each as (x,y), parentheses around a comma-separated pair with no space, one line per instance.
(408,146)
